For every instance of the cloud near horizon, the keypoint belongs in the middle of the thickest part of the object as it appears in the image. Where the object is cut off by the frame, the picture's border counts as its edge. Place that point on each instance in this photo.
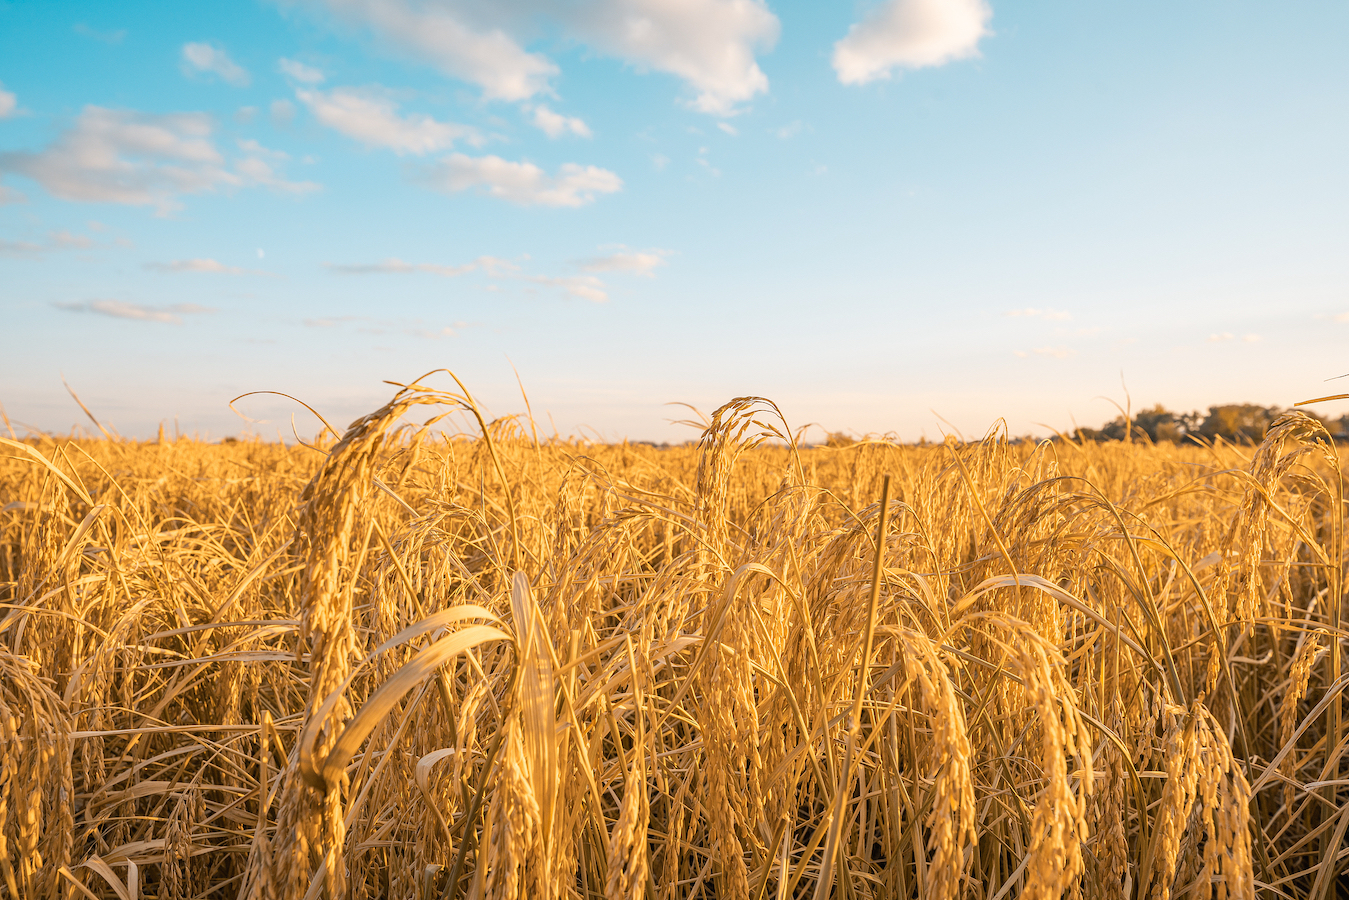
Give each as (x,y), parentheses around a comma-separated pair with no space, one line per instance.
(583,287)
(1051,352)
(56,240)
(120,309)
(394,266)
(1051,315)
(521,183)
(208,266)
(910,34)
(638,262)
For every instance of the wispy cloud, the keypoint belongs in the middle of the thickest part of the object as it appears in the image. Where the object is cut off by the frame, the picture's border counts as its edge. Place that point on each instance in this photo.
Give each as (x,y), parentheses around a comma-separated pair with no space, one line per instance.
(143,159)
(65,240)
(555,125)
(1051,352)
(371,118)
(282,113)
(56,240)
(202,58)
(583,287)
(298,71)
(9,103)
(709,44)
(370,325)
(399,267)
(207,266)
(790,130)
(638,262)
(728,128)
(703,161)
(522,183)
(1052,315)
(910,34)
(107,37)
(20,249)
(119,309)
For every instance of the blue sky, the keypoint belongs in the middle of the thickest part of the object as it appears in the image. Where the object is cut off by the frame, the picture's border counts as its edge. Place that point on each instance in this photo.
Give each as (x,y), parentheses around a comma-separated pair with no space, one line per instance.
(900,216)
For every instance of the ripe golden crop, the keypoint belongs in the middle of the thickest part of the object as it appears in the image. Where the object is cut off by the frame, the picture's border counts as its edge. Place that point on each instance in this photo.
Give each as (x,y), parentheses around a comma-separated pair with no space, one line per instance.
(409,664)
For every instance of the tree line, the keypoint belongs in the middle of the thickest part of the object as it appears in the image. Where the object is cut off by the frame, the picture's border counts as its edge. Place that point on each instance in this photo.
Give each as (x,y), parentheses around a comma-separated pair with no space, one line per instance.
(1240,423)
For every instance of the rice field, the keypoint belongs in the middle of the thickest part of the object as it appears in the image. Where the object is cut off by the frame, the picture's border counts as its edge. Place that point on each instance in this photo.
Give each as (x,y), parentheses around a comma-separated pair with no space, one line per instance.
(411,662)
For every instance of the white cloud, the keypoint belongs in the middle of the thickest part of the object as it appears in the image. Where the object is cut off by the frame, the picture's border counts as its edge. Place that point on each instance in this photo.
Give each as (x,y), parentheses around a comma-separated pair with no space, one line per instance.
(910,34)
(213,59)
(20,249)
(140,159)
(119,309)
(107,37)
(1053,315)
(521,182)
(638,262)
(583,287)
(1051,352)
(709,44)
(1342,318)
(398,267)
(728,128)
(660,161)
(1251,338)
(64,240)
(208,266)
(1220,337)
(791,129)
(282,113)
(555,124)
(438,34)
(374,121)
(56,240)
(299,71)
(8,103)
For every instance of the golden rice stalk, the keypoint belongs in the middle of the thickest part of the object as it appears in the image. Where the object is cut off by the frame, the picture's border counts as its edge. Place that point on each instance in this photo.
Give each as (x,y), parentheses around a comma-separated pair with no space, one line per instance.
(950,823)
(1181,757)
(1059,820)
(1299,674)
(514,850)
(36,824)
(627,842)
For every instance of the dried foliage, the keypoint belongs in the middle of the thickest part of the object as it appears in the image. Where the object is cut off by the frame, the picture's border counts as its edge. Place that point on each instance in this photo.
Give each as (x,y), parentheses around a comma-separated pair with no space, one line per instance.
(406,664)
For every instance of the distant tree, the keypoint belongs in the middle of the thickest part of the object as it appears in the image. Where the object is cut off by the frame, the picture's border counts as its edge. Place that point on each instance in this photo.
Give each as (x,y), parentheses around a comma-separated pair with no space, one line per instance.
(1155,424)
(1241,423)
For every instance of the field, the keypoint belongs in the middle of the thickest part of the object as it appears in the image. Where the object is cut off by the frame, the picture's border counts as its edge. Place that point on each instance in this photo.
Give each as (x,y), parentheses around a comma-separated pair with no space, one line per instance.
(404,664)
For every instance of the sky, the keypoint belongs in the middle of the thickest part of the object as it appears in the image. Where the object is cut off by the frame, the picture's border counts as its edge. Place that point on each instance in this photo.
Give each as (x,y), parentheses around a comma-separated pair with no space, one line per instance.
(904,217)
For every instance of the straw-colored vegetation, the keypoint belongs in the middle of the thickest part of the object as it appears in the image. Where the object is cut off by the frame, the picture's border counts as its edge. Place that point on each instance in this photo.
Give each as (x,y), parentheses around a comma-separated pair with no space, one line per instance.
(406,665)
